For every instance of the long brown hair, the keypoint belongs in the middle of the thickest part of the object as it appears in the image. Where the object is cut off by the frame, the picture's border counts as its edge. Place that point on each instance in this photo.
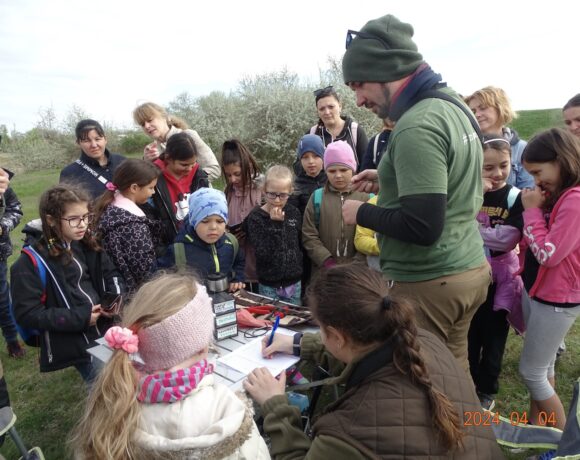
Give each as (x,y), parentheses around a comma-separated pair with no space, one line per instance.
(351,299)
(131,171)
(107,427)
(562,147)
(54,203)
(234,152)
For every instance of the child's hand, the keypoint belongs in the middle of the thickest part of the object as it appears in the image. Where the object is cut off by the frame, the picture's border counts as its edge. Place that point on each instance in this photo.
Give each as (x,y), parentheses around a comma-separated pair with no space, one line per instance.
(95,314)
(276,213)
(151,153)
(262,386)
(487,184)
(236,286)
(533,198)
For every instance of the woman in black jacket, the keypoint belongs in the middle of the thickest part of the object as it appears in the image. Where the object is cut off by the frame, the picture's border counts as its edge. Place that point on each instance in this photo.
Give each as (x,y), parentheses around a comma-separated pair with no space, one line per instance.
(94,169)
(333,126)
(66,307)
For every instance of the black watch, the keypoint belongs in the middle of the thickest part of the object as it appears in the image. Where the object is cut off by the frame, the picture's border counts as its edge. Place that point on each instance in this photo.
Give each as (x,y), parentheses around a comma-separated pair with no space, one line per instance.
(296,343)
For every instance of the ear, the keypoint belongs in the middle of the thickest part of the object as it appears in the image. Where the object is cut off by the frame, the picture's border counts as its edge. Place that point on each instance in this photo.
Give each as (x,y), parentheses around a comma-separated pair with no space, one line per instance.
(51,220)
(134,188)
(336,335)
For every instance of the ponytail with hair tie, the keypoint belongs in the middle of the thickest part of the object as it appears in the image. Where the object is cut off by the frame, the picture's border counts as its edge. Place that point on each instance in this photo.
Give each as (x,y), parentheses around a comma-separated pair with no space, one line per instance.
(386,303)
(110,186)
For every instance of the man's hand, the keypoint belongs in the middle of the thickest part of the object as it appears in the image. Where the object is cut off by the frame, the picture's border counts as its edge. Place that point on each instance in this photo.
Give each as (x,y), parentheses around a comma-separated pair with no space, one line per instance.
(349,210)
(366,181)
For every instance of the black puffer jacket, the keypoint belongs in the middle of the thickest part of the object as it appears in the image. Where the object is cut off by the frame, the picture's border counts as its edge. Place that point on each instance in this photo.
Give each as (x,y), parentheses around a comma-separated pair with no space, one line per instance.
(79,175)
(304,186)
(9,220)
(65,315)
(359,145)
(277,244)
(160,207)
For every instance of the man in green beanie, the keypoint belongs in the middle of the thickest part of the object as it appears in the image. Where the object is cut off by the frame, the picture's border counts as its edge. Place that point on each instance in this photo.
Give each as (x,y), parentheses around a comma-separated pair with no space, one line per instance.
(429,179)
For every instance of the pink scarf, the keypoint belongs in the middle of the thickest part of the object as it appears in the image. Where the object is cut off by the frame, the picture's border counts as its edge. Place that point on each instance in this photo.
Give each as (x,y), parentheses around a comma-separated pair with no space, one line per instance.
(169,387)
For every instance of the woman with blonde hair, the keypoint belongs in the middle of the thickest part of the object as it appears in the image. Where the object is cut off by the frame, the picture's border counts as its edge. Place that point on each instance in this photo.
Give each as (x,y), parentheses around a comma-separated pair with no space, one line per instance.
(493,112)
(160,126)
(170,405)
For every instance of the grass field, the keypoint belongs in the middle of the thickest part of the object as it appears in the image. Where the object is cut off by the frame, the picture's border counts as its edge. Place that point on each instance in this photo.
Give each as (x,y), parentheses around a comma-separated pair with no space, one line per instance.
(48,405)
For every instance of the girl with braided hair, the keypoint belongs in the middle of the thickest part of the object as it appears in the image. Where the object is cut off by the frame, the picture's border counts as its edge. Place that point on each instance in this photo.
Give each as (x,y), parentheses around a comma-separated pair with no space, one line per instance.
(66,306)
(405,394)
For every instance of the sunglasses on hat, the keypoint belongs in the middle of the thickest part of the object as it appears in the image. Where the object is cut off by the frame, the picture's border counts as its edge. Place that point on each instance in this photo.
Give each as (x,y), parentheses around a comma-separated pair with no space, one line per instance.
(350,34)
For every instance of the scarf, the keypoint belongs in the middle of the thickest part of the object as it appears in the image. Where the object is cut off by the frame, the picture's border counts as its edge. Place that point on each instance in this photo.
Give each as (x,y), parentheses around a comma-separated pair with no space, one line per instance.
(169,387)
(421,80)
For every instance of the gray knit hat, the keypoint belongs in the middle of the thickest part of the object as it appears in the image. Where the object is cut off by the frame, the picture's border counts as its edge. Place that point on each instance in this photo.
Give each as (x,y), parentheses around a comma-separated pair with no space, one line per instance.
(383,51)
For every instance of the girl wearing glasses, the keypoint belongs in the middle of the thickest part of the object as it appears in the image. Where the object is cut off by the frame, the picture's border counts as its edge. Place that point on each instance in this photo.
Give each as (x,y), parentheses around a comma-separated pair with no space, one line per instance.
(66,308)
(274,230)
(332,126)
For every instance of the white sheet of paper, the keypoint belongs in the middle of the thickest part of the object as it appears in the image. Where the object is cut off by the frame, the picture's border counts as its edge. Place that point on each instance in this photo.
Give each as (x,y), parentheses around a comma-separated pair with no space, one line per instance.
(249,356)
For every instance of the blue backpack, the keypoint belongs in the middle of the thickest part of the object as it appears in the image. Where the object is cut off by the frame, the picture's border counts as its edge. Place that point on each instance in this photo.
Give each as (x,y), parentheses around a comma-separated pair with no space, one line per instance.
(31,337)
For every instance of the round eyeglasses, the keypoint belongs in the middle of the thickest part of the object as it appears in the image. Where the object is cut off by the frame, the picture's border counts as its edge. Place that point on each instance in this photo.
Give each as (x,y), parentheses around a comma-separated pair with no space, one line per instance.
(273,196)
(75,221)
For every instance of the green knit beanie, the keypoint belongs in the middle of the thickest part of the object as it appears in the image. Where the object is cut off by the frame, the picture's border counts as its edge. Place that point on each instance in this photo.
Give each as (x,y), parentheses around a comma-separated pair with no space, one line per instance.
(368,60)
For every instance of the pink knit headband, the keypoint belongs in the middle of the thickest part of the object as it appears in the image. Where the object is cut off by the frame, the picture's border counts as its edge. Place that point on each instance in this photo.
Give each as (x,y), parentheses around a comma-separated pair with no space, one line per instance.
(180,336)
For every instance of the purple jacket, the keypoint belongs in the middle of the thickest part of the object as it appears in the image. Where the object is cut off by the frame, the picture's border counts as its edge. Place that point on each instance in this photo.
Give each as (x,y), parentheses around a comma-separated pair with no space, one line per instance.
(504,269)
(556,246)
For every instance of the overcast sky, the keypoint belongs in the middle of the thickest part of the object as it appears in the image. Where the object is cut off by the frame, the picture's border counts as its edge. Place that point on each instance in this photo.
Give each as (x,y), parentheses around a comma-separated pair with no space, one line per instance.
(107,56)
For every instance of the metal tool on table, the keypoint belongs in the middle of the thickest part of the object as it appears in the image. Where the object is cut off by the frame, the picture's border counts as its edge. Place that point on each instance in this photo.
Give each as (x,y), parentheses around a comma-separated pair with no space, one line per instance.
(224,306)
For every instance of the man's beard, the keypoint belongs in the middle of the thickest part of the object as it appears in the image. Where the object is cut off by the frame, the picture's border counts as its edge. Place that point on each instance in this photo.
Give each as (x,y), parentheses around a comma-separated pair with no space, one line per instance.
(383,111)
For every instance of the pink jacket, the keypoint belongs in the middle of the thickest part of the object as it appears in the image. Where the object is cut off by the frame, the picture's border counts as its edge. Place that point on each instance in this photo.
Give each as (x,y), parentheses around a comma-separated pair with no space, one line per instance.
(556,247)
(239,206)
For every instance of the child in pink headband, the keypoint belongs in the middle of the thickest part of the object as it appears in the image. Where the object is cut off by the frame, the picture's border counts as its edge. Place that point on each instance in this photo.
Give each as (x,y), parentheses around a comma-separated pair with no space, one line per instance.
(171,404)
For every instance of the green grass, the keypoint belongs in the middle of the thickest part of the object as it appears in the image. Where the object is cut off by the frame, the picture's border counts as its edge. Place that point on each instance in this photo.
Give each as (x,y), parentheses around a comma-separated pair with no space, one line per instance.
(530,122)
(48,405)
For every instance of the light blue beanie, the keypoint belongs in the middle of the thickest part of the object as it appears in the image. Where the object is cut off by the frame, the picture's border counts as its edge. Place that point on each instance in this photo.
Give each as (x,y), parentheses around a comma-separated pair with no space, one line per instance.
(207,202)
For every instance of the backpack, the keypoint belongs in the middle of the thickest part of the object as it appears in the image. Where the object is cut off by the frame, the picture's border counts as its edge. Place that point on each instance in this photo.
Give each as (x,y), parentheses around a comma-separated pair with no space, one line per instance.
(317,201)
(179,249)
(31,337)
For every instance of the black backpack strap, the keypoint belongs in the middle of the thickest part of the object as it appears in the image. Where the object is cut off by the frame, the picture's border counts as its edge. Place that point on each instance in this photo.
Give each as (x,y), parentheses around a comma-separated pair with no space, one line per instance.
(435,94)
